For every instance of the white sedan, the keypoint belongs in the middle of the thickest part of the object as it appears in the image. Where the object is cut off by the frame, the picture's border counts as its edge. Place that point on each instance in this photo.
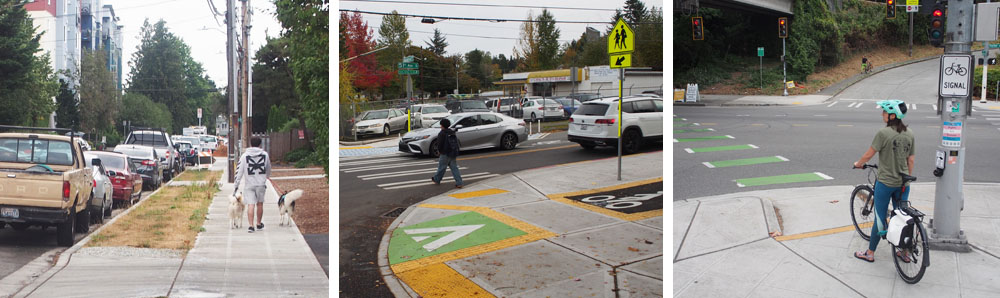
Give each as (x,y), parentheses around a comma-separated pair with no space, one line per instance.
(103,190)
(541,109)
(428,114)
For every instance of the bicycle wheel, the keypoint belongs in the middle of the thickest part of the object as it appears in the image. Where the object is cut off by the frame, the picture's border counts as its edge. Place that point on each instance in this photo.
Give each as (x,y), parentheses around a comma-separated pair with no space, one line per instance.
(911,272)
(863,210)
(948,71)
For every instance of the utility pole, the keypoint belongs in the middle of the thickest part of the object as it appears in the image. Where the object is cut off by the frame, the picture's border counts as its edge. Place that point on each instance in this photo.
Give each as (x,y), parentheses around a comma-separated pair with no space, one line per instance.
(231,105)
(245,75)
(945,228)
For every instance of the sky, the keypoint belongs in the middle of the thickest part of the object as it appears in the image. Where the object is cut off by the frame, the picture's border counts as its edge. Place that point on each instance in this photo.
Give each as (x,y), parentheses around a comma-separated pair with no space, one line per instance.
(501,37)
(192,21)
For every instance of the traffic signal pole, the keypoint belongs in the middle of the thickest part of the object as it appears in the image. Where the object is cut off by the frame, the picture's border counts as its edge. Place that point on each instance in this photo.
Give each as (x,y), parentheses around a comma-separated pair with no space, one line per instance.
(945,228)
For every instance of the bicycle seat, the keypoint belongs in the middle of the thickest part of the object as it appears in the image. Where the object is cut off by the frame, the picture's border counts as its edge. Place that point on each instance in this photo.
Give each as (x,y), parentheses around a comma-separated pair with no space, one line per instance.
(907,178)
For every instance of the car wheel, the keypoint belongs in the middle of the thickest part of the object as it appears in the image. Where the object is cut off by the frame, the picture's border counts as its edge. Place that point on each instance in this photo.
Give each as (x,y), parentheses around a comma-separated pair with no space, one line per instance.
(66,230)
(19,226)
(83,220)
(107,211)
(386,130)
(508,141)
(434,149)
(588,146)
(631,142)
(533,117)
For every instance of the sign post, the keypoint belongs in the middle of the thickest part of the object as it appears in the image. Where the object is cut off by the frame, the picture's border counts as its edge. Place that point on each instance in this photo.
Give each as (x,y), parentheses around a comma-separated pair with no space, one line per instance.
(199,116)
(760,54)
(620,51)
(408,68)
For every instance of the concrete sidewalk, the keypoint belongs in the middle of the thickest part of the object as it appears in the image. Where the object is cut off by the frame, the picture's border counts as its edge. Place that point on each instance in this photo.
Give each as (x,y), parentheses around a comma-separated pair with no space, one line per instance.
(722,247)
(569,230)
(225,262)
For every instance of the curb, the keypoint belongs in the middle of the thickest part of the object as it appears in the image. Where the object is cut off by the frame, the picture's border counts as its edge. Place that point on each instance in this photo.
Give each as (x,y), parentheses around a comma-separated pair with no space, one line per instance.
(61,261)
(857,78)
(346,143)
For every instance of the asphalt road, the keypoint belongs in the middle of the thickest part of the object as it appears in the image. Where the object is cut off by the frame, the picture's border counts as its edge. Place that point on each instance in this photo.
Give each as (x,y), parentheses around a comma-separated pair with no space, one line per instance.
(825,138)
(363,202)
(18,248)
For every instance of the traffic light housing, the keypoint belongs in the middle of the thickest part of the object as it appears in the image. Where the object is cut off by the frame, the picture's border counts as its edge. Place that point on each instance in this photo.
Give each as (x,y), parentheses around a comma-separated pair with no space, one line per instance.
(782,27)
(697,28)
(936,31)
(890,9)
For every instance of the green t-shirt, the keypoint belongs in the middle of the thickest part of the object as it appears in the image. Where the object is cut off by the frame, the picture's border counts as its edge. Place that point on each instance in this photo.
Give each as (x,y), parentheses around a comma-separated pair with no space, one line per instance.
(893,149)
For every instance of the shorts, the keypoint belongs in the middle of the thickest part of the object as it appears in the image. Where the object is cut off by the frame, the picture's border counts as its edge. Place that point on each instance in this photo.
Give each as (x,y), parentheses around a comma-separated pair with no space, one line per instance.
(254,195)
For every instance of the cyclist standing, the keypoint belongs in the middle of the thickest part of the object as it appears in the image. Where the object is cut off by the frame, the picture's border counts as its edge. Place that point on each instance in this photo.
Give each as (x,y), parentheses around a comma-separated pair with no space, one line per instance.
(864,64)
(895,146)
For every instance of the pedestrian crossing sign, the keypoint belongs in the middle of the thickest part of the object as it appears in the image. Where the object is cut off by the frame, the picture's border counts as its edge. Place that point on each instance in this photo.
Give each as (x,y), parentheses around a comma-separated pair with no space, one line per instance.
(621,39)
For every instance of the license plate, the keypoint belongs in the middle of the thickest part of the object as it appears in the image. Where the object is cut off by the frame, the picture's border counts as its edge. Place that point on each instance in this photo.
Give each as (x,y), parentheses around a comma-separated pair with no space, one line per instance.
(9,212)
(583,127)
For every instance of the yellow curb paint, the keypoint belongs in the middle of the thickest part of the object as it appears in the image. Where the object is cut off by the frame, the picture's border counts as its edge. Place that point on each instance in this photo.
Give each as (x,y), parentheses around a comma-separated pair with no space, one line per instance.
(478,193)
(994,108)
(518,152)
(358,147)
(797,103)
(561,197)
(821,232)
(534,234)
(439,280)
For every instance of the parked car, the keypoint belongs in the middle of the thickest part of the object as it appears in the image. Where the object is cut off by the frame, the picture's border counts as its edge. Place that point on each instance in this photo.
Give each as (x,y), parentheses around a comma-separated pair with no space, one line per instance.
(161,141)
(584,97)
(508,105)
(209,143)
(475,130)
(59,181)
(569,105)
(147,163)
(193,141)
(541,109)
(101,202)
(465,106)
(428,114)
(382,122)
(125,178)
(593,124)
(189,154)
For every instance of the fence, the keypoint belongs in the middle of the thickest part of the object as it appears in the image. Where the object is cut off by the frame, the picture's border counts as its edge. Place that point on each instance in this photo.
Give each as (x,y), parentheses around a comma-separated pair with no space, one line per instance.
(278,144)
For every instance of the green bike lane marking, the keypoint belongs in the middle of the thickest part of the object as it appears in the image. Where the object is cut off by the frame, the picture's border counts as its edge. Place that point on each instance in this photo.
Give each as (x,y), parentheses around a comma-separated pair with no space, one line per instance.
(744,162)
(445,235)
(782,179)
(686,124)
(708,138)
(677,119)
(693,130)
(720,148)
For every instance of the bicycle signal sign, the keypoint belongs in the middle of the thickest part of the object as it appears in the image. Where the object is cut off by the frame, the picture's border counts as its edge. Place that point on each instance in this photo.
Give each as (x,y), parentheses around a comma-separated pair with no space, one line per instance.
(956,75)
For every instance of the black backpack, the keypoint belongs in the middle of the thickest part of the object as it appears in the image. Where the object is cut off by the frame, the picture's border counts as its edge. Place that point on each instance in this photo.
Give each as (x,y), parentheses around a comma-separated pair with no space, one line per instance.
(452,145)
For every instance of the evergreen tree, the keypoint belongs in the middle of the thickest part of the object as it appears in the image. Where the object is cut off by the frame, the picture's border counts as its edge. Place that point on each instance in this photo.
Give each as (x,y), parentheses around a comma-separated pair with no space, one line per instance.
(437,43)
(68,111)
(548,41)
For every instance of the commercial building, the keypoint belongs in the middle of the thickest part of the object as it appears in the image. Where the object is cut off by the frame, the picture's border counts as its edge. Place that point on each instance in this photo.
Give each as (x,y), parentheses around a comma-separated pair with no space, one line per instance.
(591,79)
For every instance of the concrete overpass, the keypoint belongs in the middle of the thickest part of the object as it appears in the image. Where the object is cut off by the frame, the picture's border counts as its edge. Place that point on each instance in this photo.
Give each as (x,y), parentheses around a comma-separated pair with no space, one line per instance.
(771,7)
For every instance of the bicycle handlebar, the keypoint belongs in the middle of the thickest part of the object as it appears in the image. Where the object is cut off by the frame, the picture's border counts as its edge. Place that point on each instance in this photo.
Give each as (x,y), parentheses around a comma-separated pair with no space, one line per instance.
(866,166)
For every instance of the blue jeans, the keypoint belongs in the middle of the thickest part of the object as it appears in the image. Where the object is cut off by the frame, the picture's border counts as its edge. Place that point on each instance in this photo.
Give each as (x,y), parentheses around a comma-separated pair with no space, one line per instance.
(883,193)
(445,162)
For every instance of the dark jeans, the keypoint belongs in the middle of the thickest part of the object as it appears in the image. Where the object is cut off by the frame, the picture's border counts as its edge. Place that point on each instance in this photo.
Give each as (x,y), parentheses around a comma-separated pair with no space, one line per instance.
(883,195)
(445,162)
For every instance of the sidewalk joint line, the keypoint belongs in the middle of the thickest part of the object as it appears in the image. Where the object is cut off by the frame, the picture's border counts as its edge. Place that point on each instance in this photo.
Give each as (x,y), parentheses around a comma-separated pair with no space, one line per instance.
(984,251)
(68,260)
(178,274)
(636,272)
(686,231)
(721,249)
(529,185)
(821,269)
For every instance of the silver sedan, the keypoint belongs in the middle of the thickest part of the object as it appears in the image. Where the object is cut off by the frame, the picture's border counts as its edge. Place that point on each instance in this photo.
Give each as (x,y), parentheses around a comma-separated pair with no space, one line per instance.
(381,122)
(475,130)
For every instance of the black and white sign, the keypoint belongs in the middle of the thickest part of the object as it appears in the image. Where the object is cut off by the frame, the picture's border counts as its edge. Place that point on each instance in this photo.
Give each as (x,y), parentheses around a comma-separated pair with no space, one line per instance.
(956,75)
(628,200)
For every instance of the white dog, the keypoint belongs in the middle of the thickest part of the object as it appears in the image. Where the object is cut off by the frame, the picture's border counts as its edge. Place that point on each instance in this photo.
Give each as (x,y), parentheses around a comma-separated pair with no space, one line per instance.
(286,206)
(236,208)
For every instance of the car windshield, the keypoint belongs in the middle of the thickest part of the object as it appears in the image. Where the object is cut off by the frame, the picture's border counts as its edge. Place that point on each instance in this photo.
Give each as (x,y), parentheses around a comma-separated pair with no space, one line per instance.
(140,153)
(592,109)
(433,109)
(208,139)
(193,140)
(37,151)
(451,118)
(376,115)
(550,102)
(112,162)
(473,104)
(148,138)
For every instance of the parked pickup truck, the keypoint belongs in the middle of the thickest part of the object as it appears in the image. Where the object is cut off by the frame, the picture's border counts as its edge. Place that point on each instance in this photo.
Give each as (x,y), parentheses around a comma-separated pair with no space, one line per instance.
(44,181)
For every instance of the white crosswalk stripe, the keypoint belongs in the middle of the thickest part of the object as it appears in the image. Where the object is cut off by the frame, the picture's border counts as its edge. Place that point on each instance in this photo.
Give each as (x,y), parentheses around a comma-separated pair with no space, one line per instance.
(403,173)
(382,167)
(400,171)
(422,182)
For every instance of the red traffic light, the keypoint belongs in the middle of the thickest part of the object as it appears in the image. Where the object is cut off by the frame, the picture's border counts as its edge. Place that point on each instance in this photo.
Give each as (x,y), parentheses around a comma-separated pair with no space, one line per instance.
(781,22)
(696,22)
(891,2)
(938,13)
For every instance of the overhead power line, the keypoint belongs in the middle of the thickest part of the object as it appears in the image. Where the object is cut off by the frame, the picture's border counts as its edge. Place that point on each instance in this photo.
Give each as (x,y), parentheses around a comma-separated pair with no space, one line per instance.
(480,5)
(478,36)
(484,20)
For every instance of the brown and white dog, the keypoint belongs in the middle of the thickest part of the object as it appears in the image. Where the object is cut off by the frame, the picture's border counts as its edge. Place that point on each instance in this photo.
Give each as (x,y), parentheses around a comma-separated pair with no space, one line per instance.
(236,211)
(286,206)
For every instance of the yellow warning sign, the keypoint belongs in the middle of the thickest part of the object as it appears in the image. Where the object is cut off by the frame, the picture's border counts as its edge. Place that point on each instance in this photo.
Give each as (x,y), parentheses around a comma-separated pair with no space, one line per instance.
(621,39)
(621,60)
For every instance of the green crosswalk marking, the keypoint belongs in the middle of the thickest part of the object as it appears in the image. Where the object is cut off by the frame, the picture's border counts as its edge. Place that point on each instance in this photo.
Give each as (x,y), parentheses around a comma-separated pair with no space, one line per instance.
(744,162)
(709,138)
(692,130)
(794,178)
(720,148)
(679,119)
(685,124)
(445,235)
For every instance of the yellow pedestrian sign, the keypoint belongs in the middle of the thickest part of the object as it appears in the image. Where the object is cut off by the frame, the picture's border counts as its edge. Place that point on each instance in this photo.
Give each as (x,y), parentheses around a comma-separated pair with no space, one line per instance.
(621,39)
(621,60)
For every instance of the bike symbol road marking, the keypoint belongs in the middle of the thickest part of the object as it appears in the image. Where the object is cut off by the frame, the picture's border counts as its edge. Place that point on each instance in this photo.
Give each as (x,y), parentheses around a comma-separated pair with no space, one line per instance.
(457,232)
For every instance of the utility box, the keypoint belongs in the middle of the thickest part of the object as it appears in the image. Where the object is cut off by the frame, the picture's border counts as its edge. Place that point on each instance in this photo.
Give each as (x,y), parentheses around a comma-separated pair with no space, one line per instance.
(987,15)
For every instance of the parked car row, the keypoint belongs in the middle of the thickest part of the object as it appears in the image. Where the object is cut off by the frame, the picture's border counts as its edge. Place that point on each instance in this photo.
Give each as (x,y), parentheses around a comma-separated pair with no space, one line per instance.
(594,123)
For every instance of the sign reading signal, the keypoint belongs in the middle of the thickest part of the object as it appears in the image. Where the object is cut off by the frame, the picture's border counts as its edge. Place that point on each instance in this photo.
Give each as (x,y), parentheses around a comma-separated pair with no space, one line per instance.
(621,39)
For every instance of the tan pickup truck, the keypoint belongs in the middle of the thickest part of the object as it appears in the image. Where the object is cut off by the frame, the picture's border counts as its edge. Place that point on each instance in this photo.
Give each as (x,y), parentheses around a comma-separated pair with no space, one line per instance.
(44,181)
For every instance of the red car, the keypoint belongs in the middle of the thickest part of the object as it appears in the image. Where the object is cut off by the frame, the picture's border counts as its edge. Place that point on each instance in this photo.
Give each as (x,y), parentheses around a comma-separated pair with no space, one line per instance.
(124,177)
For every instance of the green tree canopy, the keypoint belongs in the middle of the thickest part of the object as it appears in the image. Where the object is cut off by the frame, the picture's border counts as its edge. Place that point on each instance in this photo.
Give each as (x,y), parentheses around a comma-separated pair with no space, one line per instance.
(27,82)
(437,43)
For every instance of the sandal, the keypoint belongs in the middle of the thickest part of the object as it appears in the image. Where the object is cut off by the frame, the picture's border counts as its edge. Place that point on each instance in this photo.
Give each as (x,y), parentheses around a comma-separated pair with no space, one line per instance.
(904,257)
(865,256)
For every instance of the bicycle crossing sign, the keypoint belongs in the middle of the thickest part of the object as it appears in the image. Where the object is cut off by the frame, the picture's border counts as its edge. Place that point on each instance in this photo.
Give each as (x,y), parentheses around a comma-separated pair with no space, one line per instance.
(632,201)
(956,75)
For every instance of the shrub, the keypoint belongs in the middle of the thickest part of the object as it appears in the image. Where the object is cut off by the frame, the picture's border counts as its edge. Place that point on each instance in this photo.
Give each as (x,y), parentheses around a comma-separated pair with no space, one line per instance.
(297,155)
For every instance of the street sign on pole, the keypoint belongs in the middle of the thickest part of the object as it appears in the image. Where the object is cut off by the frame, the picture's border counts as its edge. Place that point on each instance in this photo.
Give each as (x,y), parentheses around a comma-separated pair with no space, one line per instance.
(409,72)
(407,65)
(760,52)
(621,60)
(956,75)
(408,59)
(621,39)
(620,47)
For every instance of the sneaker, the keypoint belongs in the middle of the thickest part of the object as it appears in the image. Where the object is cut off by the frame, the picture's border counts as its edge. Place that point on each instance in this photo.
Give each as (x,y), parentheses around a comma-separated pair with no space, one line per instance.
(250,230)
(435,181)
(458,186)
(260,226)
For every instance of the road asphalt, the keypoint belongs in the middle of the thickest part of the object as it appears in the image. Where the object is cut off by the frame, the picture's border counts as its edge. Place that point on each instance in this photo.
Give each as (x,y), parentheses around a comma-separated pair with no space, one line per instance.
(567,230)
(274,262)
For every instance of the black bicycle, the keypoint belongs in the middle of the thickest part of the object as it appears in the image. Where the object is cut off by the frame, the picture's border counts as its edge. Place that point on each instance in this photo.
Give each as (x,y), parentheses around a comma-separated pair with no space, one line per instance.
(912,256)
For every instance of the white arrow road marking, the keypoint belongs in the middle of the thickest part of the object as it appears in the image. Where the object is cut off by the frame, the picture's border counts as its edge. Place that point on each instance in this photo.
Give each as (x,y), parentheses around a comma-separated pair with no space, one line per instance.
(824,176)
(456,233)
(832,104)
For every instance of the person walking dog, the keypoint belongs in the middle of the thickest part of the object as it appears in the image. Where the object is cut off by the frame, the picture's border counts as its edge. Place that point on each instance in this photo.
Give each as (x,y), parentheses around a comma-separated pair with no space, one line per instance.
(255,166)
(448,147)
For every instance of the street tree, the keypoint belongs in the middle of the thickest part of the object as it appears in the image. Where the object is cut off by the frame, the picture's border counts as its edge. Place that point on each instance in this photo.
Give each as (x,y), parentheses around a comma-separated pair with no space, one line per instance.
(67,110)
(526,49)
(393,35)
(358,40)
(635,12)
(548,41)
(99,97)
(139,110)
(27,83)
(437,43)
(306,24)
(649,40)
(274,87)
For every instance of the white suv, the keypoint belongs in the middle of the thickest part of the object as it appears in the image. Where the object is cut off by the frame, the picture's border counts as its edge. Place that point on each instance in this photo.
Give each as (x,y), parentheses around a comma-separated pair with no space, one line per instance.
(594,123)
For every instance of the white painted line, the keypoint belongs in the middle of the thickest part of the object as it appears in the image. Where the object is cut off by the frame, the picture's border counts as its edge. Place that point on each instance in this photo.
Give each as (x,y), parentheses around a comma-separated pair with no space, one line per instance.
(780,115)
(373,161)
(711,129)
(935,107)
(859,105)
(688,150)
(457,232)
(932,117)
(824,176)
(781,157)
(696,124)
(972,118)
(753,146)
(383,167)
(832,104)
(852,104)
(684,119)
(742,115)
(729,136)
(708,164)
(448,176)
(913,106)
(992,119)
(740,184)
(675,141)
(402,173)
(442,181)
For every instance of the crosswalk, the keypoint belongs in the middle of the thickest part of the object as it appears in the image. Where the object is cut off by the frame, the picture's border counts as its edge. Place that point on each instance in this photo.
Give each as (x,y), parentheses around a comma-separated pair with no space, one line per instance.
(869,104)
(399,171)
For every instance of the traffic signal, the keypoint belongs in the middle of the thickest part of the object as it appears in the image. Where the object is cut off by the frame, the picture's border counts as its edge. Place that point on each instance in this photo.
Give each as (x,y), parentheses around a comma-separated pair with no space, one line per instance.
(936,32)
(890,9)
(782,27)
(698,31)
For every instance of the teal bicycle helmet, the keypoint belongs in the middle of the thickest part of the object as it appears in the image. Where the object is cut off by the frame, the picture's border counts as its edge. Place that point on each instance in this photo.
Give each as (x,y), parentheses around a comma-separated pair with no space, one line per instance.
(893,106)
